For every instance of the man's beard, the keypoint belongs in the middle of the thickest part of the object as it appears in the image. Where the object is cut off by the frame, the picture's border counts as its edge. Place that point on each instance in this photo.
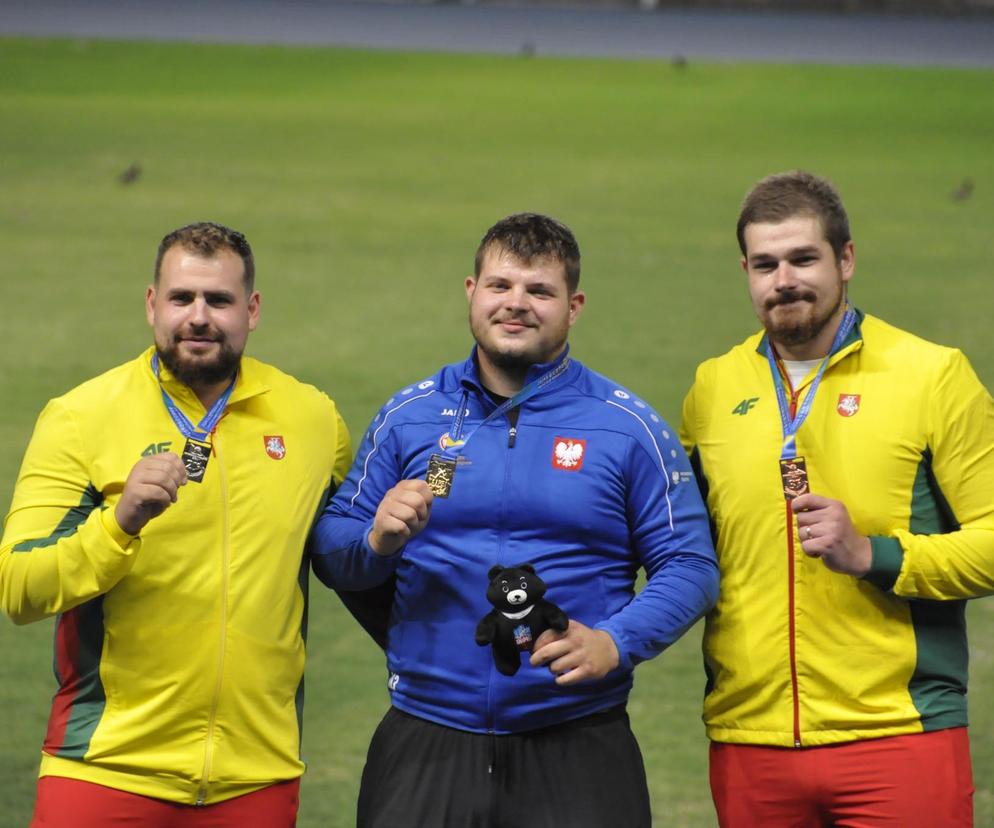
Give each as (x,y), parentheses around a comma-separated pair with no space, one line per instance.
(199,372)
(513,363)
(799,332)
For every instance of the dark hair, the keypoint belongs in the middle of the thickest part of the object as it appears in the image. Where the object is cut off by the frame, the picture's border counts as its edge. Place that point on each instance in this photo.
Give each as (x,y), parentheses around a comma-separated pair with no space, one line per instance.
(205,238)
(785,195)
(528,236)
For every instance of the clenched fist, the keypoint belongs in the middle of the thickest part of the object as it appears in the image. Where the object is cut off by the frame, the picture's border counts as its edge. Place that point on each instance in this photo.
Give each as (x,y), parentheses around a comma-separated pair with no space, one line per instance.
(150,489)
(403,512)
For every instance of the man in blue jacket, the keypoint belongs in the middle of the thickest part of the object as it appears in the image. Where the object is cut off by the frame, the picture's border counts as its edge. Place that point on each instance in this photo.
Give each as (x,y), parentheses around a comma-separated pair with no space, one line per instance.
(532,458)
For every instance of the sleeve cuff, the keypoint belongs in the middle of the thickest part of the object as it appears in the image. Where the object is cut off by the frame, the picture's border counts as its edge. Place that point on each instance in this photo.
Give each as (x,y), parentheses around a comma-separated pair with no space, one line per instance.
(886,561)
(117,534)
(386,564)
(624,657)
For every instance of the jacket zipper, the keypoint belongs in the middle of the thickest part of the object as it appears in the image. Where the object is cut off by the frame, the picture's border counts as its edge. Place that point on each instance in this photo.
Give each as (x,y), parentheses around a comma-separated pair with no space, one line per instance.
(212,717)
(791,621)
(512,433)
(512,423)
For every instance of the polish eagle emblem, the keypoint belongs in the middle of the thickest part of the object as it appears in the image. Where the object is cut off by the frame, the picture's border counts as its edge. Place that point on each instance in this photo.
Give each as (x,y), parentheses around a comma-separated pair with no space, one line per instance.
(568,453)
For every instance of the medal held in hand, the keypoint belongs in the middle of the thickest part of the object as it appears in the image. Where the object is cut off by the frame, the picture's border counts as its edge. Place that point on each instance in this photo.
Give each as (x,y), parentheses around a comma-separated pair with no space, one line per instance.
(441,470)
(195,457)
(793,469)
(197,450)
(794,473)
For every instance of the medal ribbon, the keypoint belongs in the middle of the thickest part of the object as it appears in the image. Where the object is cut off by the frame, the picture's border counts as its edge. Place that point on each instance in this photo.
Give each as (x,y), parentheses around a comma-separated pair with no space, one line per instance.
(524,394)
(791,425)
(203,429)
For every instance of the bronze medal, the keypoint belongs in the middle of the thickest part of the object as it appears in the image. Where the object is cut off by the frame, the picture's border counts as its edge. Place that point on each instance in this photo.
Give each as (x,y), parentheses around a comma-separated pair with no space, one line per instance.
(794,473)
(441,470)
(195,457)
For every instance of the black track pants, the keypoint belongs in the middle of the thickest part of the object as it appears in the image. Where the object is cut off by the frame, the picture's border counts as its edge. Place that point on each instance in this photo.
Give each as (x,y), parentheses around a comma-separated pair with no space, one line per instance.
(586,773)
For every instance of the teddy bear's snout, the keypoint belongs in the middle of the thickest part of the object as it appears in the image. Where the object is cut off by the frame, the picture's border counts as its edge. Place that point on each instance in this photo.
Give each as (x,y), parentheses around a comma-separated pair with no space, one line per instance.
(517,596)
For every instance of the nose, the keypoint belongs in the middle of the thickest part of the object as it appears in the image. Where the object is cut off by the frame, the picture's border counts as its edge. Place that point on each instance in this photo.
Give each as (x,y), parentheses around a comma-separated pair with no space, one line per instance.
(784,276)
(515,297)
(198,313)
(516,596)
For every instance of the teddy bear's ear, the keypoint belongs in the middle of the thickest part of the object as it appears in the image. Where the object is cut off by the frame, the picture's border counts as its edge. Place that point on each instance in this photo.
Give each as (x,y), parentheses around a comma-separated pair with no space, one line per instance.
(528,568)
(493,571)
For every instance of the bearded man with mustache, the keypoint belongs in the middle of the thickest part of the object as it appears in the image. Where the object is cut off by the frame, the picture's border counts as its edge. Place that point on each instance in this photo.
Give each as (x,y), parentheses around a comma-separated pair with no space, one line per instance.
(848,468)
(161,515)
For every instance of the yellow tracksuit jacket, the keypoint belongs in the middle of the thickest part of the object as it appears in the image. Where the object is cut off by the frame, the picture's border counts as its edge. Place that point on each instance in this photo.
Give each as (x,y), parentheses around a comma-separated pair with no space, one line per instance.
(180,652)
(902,432)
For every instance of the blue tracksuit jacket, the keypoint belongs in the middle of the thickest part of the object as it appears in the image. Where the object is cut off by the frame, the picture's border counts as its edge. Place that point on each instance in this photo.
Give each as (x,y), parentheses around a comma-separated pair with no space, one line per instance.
(592,486)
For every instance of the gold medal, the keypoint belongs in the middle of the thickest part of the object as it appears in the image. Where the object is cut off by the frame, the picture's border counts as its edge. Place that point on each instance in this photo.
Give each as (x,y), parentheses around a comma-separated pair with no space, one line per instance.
(794,474)
(441,470)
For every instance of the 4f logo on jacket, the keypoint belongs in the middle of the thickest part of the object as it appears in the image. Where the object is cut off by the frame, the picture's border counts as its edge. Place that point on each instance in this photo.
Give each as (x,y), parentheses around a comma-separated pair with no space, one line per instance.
(744,406)
(567,453)
(156,448)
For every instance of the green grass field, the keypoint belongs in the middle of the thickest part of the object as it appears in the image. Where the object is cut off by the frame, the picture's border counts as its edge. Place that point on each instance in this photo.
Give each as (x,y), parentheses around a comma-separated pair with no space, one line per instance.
(364,181)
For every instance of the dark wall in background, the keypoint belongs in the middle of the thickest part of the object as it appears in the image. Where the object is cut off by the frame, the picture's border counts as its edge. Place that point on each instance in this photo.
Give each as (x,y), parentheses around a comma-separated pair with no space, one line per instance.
(938,7)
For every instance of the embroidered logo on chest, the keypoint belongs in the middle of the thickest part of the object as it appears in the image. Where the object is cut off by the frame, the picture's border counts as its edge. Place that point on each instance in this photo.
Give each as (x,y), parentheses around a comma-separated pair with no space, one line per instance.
(848,404)
(568,454)
(523,637)
(275,447)
(446,442)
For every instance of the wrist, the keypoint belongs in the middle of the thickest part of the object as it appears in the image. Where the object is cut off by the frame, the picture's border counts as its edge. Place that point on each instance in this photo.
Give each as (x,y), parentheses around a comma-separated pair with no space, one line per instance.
(129,524)
(376,544)
(863,559)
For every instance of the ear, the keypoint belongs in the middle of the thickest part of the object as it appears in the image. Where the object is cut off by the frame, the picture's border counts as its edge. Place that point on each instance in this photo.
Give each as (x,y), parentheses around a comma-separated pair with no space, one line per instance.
(150,304)
(470,287)
(576,302)
(493,571)
(744,264)
(528,568)
(847,261)
(254,305)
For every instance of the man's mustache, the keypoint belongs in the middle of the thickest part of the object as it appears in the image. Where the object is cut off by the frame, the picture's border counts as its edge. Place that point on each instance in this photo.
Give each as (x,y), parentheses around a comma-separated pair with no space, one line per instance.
(785,297)
(213,336)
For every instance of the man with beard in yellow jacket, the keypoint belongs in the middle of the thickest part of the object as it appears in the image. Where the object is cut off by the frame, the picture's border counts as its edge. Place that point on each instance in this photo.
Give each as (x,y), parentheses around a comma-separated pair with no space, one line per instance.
(848,468)
(161,514)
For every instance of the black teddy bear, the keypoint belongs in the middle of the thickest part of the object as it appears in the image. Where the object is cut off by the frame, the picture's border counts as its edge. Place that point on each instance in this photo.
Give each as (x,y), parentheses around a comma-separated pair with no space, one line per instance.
(520,615)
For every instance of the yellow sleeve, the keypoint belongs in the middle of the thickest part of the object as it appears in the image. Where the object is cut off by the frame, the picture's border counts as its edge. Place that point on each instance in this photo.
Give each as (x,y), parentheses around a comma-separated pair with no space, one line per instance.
(960,562)
(343,452)
(60,548)
(688,418)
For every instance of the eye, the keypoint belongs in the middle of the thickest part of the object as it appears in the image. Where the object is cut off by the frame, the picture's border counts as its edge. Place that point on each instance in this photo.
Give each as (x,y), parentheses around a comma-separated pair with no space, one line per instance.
(524,584)
(504,588)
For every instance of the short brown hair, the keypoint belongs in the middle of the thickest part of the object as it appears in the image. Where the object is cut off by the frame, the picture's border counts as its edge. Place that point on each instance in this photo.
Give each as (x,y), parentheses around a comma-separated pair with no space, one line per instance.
(785,195)
(206,238)
(528,236)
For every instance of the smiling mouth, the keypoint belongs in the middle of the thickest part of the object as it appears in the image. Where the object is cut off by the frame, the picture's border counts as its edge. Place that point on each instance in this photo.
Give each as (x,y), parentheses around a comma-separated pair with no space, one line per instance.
(513,324)
(197,342)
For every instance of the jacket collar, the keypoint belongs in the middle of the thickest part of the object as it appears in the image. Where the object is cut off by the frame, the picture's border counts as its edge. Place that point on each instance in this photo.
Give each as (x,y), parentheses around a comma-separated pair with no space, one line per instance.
(249,382)
(470,378)
(850,344)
